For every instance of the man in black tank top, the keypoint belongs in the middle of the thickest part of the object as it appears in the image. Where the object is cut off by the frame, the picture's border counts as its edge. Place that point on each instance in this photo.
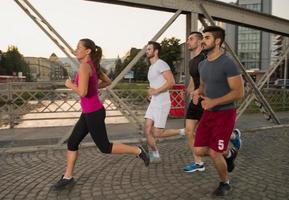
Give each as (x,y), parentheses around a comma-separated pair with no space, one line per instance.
(194,112)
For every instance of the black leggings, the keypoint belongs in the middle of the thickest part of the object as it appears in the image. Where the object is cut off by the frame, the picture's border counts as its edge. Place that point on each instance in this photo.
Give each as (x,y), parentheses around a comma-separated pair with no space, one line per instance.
(95,125)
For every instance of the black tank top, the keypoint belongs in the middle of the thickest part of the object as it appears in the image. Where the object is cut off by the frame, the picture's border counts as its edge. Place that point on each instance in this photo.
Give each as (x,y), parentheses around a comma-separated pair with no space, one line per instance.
(193,68)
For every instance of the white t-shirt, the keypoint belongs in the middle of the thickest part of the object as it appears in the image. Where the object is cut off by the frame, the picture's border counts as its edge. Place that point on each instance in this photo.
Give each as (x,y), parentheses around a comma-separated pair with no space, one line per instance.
(156,80)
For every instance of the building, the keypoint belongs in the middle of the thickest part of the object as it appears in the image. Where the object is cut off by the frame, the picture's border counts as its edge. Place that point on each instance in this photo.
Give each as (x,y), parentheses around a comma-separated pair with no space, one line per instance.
(6,78)
(108,64)
(43,69)
(58,69)
(252,46)
(279,46)
(39,68)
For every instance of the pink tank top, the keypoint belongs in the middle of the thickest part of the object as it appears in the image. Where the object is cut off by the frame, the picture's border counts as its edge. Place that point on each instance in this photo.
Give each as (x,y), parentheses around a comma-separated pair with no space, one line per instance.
(91,102)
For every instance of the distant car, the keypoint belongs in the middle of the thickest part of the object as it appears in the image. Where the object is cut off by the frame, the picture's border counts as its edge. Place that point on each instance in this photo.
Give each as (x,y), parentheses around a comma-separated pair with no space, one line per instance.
(279,83)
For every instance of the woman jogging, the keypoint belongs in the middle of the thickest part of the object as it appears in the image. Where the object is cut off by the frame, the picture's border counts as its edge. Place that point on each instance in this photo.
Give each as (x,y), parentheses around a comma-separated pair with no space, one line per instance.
(87,82)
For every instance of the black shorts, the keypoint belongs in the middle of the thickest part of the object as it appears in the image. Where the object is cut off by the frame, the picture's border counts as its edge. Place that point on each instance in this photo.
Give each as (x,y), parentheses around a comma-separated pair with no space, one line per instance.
(194,111)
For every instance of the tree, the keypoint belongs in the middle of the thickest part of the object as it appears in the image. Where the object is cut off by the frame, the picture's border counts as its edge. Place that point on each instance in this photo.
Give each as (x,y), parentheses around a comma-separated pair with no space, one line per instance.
(2,69)
(139,69)
(110,74)
(13,62)
(64,71)
(171,52)
(118,67)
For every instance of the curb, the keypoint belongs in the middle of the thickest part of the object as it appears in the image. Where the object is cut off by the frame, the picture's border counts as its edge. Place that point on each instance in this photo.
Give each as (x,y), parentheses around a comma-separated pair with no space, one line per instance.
(126,141)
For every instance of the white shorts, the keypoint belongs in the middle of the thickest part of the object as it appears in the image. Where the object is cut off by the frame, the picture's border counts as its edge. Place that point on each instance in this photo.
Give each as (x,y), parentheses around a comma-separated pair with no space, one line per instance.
(159,114)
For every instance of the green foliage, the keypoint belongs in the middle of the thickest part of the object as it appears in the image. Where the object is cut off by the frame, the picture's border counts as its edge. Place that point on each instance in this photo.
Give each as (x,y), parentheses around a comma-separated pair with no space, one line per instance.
(140,68)
(65,72)
(127,86)
(171,52)
(118,68)
(132,90)
(13,61)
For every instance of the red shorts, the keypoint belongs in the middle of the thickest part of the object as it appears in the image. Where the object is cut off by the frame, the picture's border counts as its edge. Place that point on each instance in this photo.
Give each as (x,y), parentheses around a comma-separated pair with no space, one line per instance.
(215,128)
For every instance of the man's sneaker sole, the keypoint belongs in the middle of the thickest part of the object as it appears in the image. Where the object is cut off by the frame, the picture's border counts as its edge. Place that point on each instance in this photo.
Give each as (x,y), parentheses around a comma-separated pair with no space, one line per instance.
(62,187)
(155,160)
(222,192)
(194,170)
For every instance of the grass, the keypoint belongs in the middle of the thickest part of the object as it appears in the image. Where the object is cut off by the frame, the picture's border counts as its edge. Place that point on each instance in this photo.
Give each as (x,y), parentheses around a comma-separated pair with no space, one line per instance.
(132,85)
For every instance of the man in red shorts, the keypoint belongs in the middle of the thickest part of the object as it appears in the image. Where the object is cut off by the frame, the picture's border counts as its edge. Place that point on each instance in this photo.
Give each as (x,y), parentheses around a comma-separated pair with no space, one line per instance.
(220,85)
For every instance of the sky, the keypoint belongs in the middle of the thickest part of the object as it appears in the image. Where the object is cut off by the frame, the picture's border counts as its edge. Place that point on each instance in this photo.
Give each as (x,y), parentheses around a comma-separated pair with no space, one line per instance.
(115,28)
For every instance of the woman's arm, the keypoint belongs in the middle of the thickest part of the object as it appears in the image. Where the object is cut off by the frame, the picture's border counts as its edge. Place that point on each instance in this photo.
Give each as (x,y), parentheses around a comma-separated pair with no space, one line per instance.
(82,87)
(104,80)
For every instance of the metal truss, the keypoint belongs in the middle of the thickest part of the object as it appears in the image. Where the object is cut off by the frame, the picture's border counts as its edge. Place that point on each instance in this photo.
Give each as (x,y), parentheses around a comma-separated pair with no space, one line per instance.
(47,29)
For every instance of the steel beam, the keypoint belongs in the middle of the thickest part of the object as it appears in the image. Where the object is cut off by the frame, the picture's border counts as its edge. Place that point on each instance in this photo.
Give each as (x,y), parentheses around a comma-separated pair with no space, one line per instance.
(250,97)
(47,29)
(142,52)
(218,10)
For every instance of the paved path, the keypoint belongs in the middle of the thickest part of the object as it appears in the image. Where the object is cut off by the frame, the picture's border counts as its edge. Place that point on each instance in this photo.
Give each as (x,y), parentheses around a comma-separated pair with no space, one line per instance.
(262,173)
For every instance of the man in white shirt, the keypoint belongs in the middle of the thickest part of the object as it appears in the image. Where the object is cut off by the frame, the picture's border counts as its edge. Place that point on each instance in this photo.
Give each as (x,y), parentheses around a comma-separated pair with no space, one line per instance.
(161,80)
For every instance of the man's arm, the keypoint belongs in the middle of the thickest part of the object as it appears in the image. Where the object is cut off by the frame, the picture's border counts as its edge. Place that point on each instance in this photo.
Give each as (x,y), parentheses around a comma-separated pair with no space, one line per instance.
(198,92)
(190,87)
(236,92)
(170,81)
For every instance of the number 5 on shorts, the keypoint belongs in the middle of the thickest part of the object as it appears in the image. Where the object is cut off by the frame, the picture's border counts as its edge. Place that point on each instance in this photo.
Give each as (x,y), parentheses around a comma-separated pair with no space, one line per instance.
(221,144)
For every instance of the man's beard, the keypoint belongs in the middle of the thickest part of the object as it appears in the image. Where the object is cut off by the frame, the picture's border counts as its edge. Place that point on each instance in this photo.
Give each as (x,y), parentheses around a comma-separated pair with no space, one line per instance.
(149,56)
(191,49)
(209,49)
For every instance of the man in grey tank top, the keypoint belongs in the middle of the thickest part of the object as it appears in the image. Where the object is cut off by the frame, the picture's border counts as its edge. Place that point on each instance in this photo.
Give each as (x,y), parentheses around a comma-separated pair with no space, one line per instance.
(220,85)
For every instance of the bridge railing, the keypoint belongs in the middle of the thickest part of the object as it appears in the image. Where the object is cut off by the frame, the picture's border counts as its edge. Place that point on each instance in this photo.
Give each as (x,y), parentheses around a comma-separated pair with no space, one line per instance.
(49,99)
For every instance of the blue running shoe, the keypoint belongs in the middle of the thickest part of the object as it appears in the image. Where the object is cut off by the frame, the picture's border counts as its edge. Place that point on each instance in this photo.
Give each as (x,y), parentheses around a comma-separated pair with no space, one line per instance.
(192,167)
(237,142)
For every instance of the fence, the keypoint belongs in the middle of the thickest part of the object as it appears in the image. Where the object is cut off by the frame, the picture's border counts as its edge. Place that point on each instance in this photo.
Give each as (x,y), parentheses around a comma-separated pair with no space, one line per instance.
(27,98)
(22,98)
